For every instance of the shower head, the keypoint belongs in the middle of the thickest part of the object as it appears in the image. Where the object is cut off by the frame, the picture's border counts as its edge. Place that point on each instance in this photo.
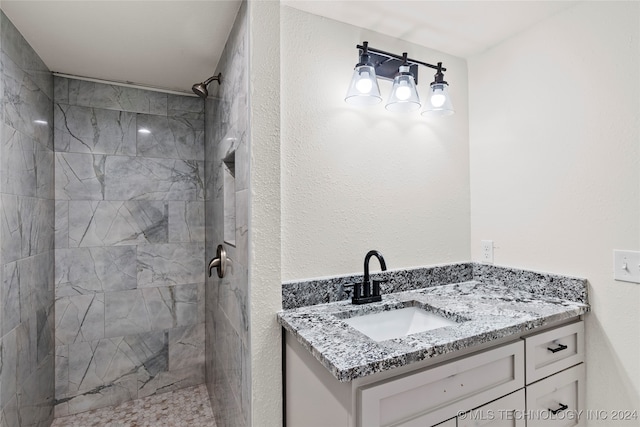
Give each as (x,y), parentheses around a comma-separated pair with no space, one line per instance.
(200,89)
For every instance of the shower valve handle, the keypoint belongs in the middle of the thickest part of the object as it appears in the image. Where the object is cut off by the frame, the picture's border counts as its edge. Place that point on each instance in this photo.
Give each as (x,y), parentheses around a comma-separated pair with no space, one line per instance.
(219,262)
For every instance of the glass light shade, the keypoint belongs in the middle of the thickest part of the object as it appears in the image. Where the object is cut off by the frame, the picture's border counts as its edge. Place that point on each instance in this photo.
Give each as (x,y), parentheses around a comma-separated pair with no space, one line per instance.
(404,95)
(363,89)
(438,101)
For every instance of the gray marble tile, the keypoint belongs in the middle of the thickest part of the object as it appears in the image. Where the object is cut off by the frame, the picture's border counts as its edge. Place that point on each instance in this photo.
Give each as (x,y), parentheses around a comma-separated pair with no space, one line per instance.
(155,179)
(94,130)
(201,303)
(93,270)
(60,90)
(123,390)
(10,228)
(9,412)
(186,107)
(79,176)
(61,231)
(151,351)
(186,347)
(45,174)
(62,370)
(109,361)
(186,222)
(18,170)
(8,358)
(170,137)
(172,306)
(26,354)
(126,313)
(10,297)
(79,318)
(98,363)
(170,264)
(167,381)
(26,226)
(107,223)
(26,107)
(113,97)
(242,226)
(34,276)
(45,324)
(35,397)
(19,50)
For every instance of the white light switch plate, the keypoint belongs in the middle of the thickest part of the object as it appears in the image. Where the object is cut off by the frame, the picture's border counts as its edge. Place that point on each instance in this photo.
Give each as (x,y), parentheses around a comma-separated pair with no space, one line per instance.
(626,266)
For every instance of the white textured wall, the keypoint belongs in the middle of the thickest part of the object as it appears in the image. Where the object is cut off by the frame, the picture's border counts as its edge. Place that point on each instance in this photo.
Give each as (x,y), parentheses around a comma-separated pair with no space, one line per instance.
(355,179)
(554,143)
(264,217)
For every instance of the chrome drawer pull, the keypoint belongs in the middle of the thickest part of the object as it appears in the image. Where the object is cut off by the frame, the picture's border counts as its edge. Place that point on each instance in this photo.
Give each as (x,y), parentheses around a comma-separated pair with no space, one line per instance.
(561,408)
(557,349)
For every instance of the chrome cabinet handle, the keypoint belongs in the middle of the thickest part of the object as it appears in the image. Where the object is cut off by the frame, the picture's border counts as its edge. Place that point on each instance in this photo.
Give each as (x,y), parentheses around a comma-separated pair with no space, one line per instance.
(220,261)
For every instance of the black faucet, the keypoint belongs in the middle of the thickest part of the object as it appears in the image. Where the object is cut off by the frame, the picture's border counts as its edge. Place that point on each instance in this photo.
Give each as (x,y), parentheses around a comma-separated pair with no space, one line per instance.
(366,292)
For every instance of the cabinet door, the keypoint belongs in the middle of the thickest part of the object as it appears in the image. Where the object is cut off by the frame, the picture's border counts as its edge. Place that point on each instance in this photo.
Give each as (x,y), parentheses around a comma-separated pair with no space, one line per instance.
(504,412)
(427,397)
(557,401)
(553,351)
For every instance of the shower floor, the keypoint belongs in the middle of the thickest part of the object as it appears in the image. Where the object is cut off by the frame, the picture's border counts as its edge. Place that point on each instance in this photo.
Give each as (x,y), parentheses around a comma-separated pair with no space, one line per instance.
(186,407)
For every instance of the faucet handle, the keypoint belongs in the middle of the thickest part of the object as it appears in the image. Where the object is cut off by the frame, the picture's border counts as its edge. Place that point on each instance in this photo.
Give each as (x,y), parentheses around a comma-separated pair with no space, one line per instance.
(376,286)
(344,288)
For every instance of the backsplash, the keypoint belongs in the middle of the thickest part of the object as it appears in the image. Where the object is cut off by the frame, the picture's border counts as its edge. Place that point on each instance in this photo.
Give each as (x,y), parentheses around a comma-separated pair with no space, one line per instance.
(323,290)
(318,291)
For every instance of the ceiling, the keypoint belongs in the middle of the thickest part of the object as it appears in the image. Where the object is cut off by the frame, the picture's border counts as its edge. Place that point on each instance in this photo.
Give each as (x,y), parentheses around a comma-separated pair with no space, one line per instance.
(460,28)
(172,44)
(162,44)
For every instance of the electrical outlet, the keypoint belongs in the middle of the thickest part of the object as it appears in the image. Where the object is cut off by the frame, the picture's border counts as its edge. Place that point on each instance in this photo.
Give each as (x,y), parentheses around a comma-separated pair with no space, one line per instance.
(626,266)
(487,251)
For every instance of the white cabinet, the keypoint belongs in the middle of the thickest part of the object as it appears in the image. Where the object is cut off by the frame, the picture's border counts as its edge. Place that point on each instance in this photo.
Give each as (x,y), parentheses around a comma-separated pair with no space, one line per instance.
(486,388)
(552,351)
(555,377)
(557,401)
(505,412)
(427,397)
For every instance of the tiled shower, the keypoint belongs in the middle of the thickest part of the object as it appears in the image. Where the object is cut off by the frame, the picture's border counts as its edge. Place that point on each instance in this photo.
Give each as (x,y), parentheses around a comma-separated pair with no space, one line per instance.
(107,197)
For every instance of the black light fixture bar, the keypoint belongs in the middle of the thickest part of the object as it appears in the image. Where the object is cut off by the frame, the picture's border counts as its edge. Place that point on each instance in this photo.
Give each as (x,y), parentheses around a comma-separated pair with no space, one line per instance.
(386,64)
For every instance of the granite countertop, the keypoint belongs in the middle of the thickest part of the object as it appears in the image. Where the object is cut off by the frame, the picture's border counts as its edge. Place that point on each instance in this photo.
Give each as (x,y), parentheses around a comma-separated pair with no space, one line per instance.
(485,312)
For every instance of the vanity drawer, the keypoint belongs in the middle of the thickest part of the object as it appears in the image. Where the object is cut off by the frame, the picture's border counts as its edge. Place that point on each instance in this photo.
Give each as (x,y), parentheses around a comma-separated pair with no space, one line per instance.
(552,351)
(435,394)
(507,411)
(562,393)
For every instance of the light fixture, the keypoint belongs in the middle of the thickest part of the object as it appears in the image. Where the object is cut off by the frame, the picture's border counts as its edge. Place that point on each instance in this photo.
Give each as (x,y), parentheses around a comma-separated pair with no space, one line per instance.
(404,95)
(438,100)
(375,64)
(363,89)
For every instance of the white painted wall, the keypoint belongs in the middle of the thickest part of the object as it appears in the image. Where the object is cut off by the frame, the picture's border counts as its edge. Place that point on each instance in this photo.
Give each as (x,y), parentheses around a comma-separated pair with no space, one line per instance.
(264,214)
(359,179)
(555,162)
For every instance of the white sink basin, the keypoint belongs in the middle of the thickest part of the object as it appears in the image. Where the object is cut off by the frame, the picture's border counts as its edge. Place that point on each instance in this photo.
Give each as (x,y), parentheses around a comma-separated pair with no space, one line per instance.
(397,323)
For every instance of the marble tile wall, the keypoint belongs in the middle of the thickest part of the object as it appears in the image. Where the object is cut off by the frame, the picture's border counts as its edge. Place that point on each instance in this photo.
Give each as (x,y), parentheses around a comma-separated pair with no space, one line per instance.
(26,234)
(228,375)
(129,239)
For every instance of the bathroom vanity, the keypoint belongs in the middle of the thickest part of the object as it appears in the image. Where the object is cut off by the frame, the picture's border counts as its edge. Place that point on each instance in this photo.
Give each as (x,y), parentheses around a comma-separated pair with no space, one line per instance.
(512,358)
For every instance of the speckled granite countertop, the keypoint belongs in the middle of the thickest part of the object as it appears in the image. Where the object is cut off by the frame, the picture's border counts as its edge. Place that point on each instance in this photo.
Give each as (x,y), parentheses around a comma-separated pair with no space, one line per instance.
(485,312)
